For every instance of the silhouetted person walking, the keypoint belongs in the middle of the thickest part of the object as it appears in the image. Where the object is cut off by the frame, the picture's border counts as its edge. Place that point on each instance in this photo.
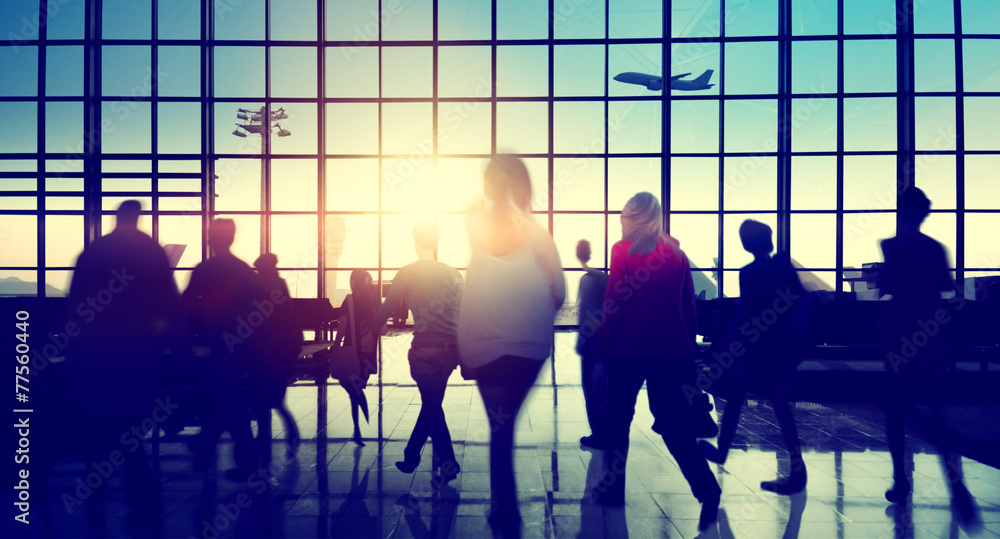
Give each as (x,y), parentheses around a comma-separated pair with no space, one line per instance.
(591,300)
(514,286)
(229,309)
(915,273)
(431,290)
(364,300)
(770,330)
(269,386)
(649,336)
(125,302)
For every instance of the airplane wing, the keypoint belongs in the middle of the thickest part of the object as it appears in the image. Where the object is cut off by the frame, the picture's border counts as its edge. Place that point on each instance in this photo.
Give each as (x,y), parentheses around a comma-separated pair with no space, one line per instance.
(675,77)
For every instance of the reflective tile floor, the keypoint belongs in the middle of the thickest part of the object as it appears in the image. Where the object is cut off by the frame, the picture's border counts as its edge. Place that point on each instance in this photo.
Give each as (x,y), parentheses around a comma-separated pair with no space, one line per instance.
(334,488)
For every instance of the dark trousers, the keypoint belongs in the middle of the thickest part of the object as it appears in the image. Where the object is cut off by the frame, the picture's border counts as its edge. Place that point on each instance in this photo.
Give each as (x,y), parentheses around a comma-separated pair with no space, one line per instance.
(142,487)
(504,385)
(430,367)
(664,377)
(228,411)
(595,393)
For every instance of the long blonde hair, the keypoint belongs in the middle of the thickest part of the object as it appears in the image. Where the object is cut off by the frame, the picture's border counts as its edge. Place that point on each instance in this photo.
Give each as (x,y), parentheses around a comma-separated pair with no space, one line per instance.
(642,223)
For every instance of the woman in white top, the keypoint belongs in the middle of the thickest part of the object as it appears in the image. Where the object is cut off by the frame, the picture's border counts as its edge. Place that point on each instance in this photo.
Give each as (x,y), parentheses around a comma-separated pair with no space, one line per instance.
(514,286)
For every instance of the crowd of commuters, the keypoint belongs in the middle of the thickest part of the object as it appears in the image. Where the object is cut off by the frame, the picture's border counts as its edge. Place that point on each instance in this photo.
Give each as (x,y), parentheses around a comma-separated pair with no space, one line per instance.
(638,325)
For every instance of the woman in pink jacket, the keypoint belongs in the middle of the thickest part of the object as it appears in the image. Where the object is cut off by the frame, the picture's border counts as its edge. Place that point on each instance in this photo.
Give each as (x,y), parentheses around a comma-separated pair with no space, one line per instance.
(648,335)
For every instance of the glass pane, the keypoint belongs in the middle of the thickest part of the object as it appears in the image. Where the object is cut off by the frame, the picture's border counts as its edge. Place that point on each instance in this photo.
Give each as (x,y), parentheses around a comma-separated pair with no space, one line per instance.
(578,184)
(355,21)
(407,128)
(293,72)
(814,183)
(814,240)
(464,72)
(19,22)
(694,183)
(293,20)
(814,125)
(227,135)
(238,185)
(63,239)
(294,238)
(980,17)
(870,66)
(20,241)
(351,241)
(695,18)
(522,19)
(870,124)
(578,20)
(409,20)
(980,240)
(579,127)
(522,127)
(641,58)
(127,19)
(293,185)
(750,183)
(630,175)
(934,17)
(406,72)
(179,72)
(759,18)
(870,182)
(636,18)
(464,127)
(178,128)
(869,17)
(64,128)
(464,19)
(183,230)
(751,126)
(934,65)
(352,72)
(814,67)
(694,126)
(980,182)
(814,17)
(410,185)
(352,184)
(239,71)
(57,283)
(579,70)
(300,127)
(126,71)
(751,68)
(982,115)
(242,21)
(66,21)
(695,59)
(351,128)
(126,127)
(179,19)
(699,237)
(567,230)
(24,62)
(979,58)
(935,123)
(463,180)
(635,126)
(397,240)
(63,71)
(941,227)
(522,71)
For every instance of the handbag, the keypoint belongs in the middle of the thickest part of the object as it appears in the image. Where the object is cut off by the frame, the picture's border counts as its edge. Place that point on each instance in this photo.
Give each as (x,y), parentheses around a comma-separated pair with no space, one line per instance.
(344,361)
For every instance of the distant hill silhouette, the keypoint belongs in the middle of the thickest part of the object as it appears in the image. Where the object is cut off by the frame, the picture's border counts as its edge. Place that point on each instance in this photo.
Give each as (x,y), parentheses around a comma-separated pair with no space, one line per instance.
(13,286)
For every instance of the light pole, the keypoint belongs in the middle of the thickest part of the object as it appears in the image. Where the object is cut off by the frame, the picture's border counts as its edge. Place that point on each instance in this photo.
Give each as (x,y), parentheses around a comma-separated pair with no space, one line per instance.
(254,124)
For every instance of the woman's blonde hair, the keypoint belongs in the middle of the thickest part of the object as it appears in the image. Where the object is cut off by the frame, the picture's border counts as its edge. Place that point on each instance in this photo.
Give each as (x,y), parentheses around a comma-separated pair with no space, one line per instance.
(642,223)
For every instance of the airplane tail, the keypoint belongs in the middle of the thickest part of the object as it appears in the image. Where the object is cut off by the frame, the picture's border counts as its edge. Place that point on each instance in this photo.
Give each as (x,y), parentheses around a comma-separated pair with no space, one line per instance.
(704,77)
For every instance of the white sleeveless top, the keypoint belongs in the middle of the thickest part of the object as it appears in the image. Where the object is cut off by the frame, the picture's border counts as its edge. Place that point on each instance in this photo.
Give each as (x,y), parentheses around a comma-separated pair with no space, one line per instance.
(507,307)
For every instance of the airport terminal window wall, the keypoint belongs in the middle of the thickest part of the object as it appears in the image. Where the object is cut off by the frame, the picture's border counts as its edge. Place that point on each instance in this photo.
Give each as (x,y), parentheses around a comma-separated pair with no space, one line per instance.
(818,113)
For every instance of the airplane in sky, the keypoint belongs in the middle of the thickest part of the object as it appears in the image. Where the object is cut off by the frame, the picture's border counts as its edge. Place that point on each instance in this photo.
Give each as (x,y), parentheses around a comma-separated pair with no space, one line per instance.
(654,82)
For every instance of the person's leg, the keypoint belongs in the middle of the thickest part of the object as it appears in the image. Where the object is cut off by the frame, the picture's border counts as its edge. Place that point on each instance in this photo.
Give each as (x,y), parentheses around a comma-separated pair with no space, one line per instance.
(896,436)
(352,394)
(291,428)
(588,384)
(504,387)
(730,416)
(781,389)
(674,421)
(625,378)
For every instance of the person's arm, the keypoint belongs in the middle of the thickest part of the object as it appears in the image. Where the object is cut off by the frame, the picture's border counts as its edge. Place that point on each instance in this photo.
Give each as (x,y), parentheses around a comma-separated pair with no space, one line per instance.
(400,286)
(616,298)
(549,258)
(689,305)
